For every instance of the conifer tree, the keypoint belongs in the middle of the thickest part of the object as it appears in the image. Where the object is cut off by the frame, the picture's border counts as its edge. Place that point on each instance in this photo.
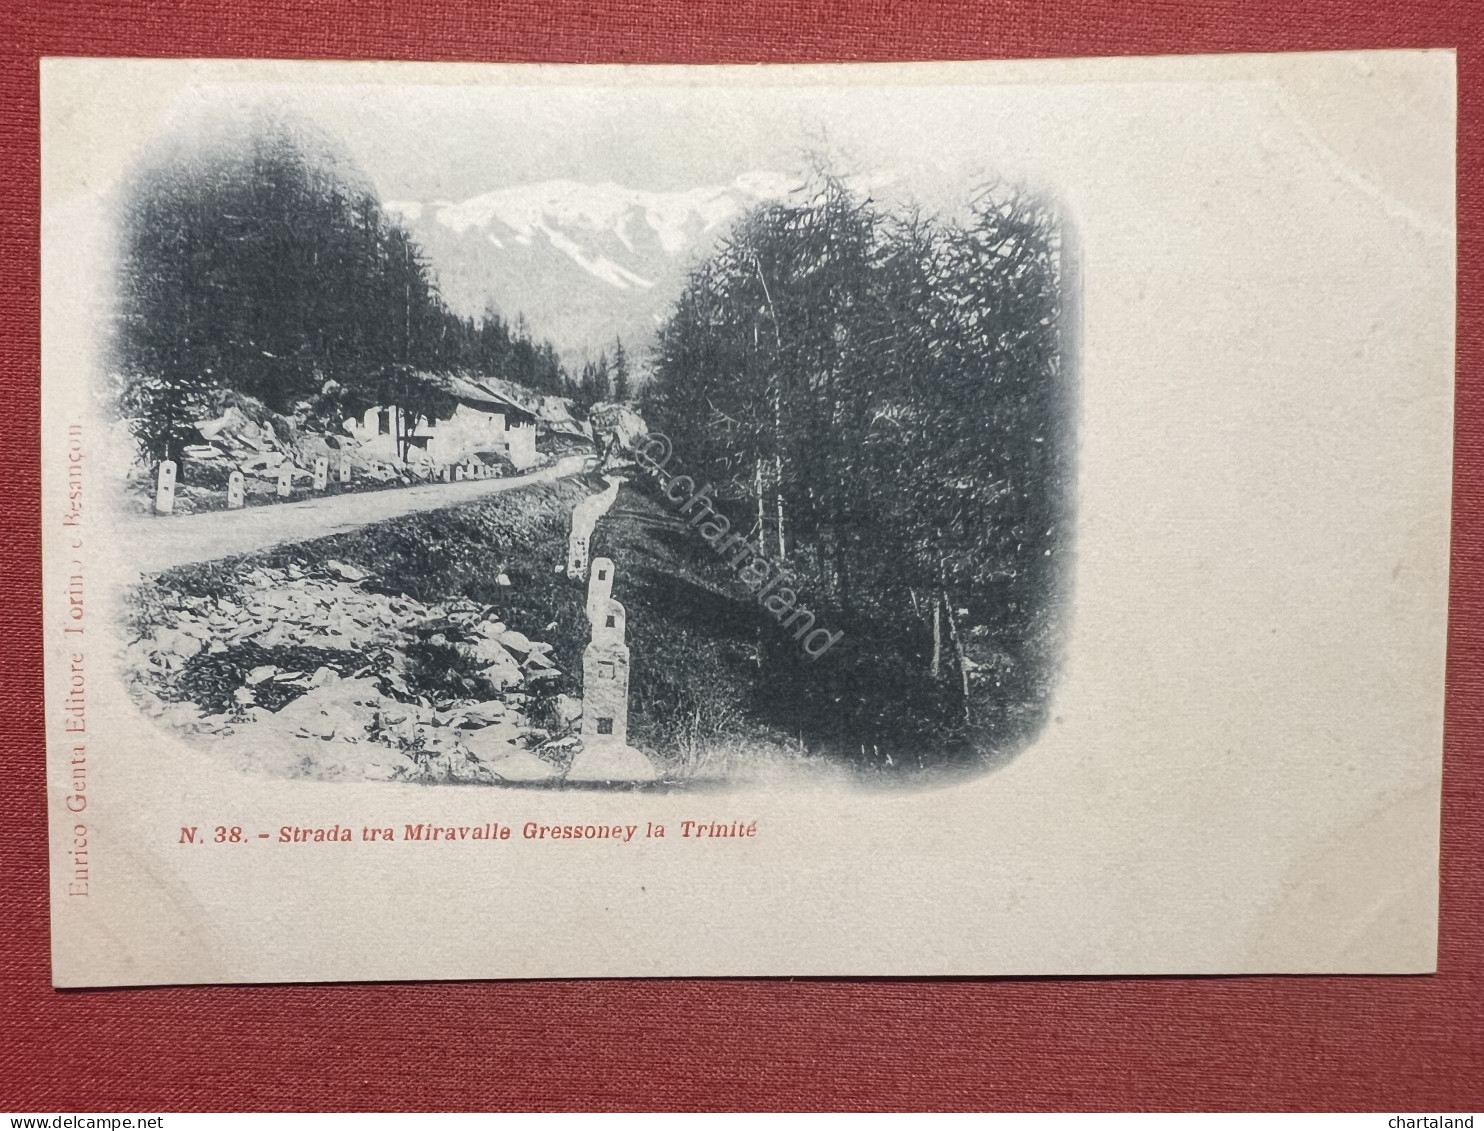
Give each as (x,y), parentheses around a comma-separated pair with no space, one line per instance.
(621,390)
(257,261)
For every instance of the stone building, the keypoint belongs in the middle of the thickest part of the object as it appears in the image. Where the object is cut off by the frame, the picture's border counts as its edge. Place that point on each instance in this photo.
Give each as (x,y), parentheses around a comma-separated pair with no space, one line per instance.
(470,418)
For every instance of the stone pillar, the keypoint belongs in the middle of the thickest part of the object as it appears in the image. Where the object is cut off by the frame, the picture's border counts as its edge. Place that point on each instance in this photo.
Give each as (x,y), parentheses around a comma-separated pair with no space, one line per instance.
(605,755)
(165,488)
(285,479)
(577,556)
(321,473)
(371,422)
(458,473)
(599,589)
(234,491)
(605,679)
(344,466)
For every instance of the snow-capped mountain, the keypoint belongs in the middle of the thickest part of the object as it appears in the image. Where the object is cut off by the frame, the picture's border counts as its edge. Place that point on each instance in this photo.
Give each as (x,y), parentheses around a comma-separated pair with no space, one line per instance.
(582,262)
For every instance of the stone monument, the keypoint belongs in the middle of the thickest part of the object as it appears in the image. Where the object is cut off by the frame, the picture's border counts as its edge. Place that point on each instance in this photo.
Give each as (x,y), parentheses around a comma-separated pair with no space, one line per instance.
(606,755)
(165,488)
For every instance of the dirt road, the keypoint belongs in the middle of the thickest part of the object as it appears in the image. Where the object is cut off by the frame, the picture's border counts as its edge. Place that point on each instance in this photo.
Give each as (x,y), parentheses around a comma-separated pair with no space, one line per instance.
(160,543)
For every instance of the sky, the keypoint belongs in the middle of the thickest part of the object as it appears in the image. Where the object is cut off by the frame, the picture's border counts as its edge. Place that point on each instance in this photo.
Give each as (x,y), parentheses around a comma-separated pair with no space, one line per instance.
(453,142)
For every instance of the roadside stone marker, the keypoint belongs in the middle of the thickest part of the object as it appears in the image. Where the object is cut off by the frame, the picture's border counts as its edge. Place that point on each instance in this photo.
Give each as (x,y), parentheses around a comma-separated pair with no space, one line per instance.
(599,591)
(577,556)
(605,673)
(445,474)
(458,473)
(234,491)
(285,479)
(165,488)
(344,467)
(606,754)
(321,473)
(585,517)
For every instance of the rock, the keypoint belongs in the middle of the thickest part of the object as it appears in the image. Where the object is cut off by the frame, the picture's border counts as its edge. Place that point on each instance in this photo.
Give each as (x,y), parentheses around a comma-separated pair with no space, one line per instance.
(201,631)
(395,682)
(568,708)
(262,466)
(171,642)
(323,677)
(611,762)
(502,579)
(344,571)
(346,709)
(493,741)
(517,642)
(519,765)
(495,663)
(280,635)
(483,714)
(259,674)
(394,713)
(439,741)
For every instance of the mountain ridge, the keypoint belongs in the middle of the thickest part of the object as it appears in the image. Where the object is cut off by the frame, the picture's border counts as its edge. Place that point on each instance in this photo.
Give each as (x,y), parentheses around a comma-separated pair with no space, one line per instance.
(581,263)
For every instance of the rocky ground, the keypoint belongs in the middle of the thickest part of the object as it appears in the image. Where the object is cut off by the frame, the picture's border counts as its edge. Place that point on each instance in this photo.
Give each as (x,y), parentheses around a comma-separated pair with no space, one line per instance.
(311,672)
(446,646)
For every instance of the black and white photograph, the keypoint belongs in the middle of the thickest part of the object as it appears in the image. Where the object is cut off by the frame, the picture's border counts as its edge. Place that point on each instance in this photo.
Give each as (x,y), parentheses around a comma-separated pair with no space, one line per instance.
(532,451)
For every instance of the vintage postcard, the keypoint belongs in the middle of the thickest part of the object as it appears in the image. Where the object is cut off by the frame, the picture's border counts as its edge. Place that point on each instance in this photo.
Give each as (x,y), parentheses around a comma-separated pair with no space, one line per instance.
(963,519)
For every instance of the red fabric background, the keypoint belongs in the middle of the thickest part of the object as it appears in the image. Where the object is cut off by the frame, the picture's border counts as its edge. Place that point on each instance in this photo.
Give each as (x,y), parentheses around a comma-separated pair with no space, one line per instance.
(1391,1044)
